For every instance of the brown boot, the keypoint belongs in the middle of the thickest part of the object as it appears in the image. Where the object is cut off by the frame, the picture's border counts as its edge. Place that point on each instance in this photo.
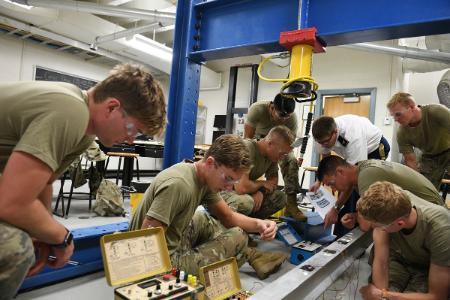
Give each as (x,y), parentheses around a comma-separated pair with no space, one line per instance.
(292,209)
(265,263)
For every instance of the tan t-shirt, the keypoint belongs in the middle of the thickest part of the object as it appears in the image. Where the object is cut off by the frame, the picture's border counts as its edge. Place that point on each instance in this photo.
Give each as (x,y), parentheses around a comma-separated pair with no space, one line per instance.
(259,118)
(373,170)
(431,136)
(430,239)
(47,120)
(172,199)
(260,165)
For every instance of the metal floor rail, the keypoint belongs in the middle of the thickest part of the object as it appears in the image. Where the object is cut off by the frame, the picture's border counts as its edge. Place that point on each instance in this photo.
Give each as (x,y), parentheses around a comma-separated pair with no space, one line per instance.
(311,278)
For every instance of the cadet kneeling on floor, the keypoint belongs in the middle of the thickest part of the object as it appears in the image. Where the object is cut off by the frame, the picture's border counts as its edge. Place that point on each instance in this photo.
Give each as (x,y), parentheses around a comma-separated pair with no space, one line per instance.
(195,239)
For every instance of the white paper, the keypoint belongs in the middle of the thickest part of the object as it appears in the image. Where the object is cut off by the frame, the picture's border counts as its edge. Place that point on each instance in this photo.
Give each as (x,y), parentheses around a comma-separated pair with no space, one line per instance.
(322,201)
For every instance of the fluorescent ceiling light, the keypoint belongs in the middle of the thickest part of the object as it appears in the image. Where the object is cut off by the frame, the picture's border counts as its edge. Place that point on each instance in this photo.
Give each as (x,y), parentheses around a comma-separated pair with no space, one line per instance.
(18,4)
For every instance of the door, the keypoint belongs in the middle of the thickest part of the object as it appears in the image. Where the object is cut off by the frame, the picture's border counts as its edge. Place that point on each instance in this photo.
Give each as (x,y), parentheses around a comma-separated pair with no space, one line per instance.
(335,106)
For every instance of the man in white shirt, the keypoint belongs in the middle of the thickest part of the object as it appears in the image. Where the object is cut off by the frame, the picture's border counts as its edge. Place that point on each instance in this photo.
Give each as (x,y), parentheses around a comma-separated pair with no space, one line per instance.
(355,139)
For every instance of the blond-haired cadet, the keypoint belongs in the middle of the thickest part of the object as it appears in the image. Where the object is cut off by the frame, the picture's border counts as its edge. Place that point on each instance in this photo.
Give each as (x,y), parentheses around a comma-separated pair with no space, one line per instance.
(426,128)
(411,242)
(44,126)
(194,238)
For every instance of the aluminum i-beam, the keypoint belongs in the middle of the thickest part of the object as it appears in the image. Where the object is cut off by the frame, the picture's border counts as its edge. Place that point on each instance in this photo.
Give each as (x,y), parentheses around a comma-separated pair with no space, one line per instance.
(329,263)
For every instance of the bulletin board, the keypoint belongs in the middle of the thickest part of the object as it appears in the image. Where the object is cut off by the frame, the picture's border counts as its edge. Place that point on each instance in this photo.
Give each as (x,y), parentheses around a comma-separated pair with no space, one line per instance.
(45,74)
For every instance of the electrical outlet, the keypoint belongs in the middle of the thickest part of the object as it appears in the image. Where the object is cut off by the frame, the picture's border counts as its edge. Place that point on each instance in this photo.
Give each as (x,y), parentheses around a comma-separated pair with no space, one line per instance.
(387,121)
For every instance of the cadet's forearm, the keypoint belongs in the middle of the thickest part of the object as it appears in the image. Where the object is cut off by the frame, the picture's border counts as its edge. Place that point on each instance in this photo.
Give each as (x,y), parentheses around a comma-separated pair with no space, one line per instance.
(411,161)
(46,196)
(248,187)
(246,223)
(343,197)
(380,266)
(34,218)
(412,296)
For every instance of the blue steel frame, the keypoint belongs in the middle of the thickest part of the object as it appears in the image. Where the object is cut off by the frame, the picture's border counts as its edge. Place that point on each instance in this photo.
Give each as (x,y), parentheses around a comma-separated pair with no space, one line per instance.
(87,253)
(217,29)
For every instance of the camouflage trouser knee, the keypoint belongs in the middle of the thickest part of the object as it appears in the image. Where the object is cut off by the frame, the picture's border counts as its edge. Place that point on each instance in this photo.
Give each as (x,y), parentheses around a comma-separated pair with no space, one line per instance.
(289,170)
(206,241)
(434,167)
(16,258)
(243,204)
(404,278)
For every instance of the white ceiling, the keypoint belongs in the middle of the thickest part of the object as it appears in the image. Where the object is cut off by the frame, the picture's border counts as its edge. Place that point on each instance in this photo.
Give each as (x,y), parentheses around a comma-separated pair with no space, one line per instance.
(151,48)
(74,31)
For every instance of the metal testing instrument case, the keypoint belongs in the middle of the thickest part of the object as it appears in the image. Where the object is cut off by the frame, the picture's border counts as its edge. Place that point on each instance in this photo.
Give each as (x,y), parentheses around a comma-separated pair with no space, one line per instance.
(139,263)
(221,281)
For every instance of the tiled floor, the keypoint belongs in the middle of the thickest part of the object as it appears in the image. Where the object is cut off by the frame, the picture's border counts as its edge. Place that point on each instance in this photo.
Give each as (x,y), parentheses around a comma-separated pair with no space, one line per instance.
(94,286)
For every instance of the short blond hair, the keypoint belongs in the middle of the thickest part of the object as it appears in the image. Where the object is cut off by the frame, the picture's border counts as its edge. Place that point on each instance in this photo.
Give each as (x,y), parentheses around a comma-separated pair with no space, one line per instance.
(383,203)
(139,94)
(283,133)
(230,151)
(402,98)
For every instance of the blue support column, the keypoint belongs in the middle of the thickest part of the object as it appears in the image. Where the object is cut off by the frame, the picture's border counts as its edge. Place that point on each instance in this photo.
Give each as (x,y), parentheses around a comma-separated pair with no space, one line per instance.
(184,88)
(217,29)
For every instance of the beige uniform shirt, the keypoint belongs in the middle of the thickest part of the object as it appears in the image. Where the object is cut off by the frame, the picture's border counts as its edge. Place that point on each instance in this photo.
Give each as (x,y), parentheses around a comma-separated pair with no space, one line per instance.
(47,120)
(172,199)
(260,165)
(259,118)
(373,170)
(430,239)
(431,136)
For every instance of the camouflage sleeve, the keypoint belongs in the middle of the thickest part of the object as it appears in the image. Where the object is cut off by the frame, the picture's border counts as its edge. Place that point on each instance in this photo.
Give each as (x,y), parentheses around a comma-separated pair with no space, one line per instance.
(210,198)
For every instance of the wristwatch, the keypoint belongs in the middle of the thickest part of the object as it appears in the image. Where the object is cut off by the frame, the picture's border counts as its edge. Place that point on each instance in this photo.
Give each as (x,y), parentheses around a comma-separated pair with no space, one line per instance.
(67,240)
(263,190)
(384,294)
(337,207)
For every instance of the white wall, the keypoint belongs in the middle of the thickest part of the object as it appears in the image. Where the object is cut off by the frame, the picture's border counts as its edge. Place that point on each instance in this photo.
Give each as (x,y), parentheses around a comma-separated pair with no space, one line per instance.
(19,58)
(423,86)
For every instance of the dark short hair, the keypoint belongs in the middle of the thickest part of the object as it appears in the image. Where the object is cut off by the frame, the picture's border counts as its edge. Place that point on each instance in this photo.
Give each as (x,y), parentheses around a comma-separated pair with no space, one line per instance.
(323,127)
(328,166)
(284,105)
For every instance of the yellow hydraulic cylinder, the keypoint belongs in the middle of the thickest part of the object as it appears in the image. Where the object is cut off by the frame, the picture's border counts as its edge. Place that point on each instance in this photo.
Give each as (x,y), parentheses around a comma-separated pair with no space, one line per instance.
(301,61)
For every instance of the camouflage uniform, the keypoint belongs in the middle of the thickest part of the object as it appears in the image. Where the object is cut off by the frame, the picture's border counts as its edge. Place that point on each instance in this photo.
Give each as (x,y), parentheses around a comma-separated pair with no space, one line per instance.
(259,118)
(16,257)
(206,241)
(272,202)
(109,200)
(48,121)
(243,204)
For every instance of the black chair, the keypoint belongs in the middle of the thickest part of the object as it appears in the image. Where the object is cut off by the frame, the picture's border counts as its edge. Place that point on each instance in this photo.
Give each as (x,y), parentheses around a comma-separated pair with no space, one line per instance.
(70,195)
(127,171)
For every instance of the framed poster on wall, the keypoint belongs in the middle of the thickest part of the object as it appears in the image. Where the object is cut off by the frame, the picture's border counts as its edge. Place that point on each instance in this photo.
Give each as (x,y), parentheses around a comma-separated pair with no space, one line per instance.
(45,74)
